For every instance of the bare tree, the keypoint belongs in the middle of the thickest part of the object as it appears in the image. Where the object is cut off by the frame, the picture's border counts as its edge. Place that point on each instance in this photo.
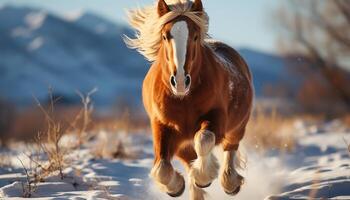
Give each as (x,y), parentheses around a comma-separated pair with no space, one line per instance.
(319,32)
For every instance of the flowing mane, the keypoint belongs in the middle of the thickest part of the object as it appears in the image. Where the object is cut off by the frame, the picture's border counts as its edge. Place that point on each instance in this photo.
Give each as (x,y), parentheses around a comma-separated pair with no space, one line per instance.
(148,26)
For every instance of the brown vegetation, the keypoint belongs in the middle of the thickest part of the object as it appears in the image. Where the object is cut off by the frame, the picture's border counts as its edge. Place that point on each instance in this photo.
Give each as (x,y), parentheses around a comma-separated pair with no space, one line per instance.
(7,114)
(30,185)
(83,120)
(80,120)
(108,146)
(270,130)
(50,145)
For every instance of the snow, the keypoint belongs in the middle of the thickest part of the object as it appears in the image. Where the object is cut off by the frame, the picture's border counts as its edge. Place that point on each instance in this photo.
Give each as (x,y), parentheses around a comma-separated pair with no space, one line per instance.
(318,167)
(73,16)
(20,31)
(36,44)
(35,20)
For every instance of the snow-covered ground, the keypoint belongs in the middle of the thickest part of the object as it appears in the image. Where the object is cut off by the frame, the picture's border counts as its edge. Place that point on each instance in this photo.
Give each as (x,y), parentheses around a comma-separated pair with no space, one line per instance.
(318,167)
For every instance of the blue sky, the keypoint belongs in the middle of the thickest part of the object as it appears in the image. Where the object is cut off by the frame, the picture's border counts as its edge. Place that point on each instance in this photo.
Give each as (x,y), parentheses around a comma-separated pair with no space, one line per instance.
(244,23)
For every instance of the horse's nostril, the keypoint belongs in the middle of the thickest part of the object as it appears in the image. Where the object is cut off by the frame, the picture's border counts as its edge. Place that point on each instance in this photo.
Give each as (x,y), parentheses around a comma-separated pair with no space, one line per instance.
(173,81)
(188,80)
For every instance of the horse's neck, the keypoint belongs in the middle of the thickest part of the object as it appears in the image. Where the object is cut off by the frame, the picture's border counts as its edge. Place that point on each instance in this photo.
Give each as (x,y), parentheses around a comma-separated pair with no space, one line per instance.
(207,61)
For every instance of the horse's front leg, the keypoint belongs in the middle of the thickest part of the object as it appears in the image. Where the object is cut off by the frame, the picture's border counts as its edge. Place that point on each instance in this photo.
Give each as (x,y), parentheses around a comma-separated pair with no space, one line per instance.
(205,168)
(166,177)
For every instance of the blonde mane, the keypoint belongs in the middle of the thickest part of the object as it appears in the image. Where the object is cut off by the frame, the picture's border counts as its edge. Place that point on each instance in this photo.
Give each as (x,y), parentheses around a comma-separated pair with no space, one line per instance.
(149,25)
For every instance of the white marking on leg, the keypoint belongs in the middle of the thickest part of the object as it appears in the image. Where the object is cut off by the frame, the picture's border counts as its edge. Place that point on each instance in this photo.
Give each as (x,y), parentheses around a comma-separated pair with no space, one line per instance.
(229,157)
(230,179)
(205,168)
(195,192)
(204,142)
(234,160)
(167,179)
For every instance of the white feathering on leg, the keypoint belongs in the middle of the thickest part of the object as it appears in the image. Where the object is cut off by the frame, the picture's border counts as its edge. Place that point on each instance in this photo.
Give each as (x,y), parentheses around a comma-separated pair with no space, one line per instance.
(230,179)
(167,179)
(205,168)
(195,192)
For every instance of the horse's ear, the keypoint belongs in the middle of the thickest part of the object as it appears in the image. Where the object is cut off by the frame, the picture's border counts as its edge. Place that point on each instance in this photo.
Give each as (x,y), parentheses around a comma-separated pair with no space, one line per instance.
(197,6)
(163,8)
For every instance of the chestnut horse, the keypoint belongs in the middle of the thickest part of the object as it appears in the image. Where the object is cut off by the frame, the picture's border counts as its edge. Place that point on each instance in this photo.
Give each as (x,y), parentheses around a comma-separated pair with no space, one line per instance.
(198,93)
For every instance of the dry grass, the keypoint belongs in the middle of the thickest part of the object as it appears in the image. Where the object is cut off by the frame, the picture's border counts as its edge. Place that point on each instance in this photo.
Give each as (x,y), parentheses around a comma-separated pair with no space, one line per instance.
(83,120)
(30,185)
(51,146)
(108,146)
(48,143)
(34,173)
(269,130)
(126,120)
(346,120)
(5,161)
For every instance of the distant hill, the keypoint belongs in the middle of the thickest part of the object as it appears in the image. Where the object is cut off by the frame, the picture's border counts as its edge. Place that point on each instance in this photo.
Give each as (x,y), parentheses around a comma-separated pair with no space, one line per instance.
(268,69)
(39,49)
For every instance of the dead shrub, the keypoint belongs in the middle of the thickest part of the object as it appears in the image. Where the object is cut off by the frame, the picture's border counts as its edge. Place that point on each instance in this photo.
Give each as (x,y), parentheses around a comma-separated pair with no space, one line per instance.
(51,144)
(83,120)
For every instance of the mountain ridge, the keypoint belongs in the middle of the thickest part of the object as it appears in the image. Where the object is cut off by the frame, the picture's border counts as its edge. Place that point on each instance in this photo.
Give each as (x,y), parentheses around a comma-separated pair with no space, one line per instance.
(41,49)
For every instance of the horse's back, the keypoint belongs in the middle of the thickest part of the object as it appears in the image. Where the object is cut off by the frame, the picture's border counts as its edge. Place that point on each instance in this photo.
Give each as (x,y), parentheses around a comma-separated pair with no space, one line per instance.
(231,55)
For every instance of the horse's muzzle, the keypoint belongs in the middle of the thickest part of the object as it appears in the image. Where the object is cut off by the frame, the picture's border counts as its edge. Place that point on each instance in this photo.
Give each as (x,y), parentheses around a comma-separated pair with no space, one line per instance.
(180,85)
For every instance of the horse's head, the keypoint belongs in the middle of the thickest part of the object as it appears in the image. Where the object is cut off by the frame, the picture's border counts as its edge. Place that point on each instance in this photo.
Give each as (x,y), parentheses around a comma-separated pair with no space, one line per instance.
(181,44)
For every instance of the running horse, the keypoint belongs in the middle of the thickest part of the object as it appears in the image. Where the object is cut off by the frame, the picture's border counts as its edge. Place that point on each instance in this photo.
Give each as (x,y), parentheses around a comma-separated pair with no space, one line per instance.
(197,93)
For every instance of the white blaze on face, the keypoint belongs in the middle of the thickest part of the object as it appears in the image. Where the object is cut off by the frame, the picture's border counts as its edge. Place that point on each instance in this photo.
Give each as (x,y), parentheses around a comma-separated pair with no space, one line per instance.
(179,33)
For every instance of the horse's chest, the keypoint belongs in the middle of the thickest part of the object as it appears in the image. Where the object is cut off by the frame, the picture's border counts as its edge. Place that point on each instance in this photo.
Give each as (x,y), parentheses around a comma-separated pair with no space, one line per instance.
(183,116)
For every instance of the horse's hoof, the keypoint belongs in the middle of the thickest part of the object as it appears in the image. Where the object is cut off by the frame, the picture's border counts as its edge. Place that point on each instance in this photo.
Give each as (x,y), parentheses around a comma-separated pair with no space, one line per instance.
(179,193)
(202,186)
(234,192)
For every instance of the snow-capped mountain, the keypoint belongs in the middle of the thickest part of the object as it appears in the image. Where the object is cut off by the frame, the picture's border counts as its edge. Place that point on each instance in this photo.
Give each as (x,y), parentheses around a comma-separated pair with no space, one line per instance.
(39,49)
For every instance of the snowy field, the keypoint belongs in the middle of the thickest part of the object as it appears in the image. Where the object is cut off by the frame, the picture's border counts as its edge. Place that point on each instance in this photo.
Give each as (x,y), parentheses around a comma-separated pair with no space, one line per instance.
(317,168)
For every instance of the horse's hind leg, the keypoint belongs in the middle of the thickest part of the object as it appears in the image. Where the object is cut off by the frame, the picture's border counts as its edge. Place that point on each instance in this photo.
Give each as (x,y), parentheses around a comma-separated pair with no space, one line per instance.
(231,181)
(187,155)
(205,168)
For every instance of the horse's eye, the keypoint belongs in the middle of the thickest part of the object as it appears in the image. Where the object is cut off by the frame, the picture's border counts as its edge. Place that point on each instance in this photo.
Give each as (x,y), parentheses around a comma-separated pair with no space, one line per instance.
(196,38)
(164,38)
